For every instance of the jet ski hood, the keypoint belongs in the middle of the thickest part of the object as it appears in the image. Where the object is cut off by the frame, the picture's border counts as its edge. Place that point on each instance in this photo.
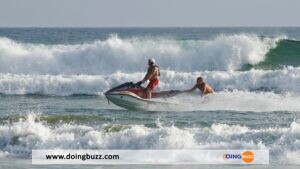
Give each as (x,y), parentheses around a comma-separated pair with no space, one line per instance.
(128,87)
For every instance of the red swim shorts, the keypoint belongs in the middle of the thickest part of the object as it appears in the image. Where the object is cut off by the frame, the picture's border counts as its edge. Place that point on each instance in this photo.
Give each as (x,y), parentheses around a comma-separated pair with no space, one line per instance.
(152,84)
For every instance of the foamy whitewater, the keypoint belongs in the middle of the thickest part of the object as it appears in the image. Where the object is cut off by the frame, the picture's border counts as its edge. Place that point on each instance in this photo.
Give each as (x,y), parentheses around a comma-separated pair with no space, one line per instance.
(129,55)
(52,83)
(18,138)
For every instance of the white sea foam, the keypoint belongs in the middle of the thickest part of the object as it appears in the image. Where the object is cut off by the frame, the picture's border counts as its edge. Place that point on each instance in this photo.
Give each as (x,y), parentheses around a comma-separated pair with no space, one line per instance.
(130,55)
(255,90)
(282,81)
(19,138)
(238,101)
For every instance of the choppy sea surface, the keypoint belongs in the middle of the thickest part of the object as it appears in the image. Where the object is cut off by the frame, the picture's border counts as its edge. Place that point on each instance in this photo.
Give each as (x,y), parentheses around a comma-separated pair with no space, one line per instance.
(52,82)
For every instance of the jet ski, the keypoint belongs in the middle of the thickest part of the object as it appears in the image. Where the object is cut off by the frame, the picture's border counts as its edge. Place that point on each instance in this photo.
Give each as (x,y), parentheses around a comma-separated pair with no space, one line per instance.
(133,97)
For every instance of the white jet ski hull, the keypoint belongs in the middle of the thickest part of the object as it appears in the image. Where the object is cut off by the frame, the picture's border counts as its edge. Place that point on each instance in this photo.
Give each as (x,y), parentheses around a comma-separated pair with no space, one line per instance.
(132,101)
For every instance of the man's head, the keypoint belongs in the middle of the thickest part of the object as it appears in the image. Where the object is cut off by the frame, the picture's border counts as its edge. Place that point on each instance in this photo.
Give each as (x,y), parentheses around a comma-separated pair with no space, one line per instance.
(199,80)
(151,61)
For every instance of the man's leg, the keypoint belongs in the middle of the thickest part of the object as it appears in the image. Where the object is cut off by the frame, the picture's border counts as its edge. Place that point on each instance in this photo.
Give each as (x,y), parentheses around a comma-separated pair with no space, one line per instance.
(151,86)
(148,93)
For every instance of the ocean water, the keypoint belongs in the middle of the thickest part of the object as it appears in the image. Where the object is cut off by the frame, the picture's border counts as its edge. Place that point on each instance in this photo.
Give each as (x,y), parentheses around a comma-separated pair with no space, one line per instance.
(52,82)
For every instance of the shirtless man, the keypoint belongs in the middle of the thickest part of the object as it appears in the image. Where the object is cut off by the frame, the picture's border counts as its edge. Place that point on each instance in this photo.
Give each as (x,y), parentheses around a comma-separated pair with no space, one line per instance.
(152,75)
(204,88)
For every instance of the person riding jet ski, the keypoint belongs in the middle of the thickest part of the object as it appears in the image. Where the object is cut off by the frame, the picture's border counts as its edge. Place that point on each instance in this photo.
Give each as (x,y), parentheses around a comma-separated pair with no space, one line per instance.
(152,75)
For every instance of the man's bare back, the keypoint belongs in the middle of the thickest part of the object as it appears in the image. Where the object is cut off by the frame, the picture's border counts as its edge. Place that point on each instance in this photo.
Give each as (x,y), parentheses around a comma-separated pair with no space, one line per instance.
(152,73)
(202,86)
(206,89)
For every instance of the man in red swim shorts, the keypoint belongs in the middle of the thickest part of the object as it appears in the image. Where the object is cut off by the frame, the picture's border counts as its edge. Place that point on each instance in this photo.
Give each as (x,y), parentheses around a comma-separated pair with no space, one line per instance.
(152,75)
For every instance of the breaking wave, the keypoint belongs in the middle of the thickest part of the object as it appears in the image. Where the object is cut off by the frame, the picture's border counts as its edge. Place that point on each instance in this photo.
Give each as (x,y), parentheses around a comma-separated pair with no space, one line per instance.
(20,137)
(282,81)
(130,55)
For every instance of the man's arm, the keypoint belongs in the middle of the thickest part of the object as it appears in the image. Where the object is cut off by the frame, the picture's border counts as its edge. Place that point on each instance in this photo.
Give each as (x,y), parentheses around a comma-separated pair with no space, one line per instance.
(192,89)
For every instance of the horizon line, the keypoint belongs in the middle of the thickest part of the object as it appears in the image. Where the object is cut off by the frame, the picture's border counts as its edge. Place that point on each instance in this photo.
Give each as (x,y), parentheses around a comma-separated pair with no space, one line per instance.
(149,26)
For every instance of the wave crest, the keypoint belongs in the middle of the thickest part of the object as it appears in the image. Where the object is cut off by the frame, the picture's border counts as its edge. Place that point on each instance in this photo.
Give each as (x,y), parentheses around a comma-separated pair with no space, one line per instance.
(280,81)
(19,138)
(130,55)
